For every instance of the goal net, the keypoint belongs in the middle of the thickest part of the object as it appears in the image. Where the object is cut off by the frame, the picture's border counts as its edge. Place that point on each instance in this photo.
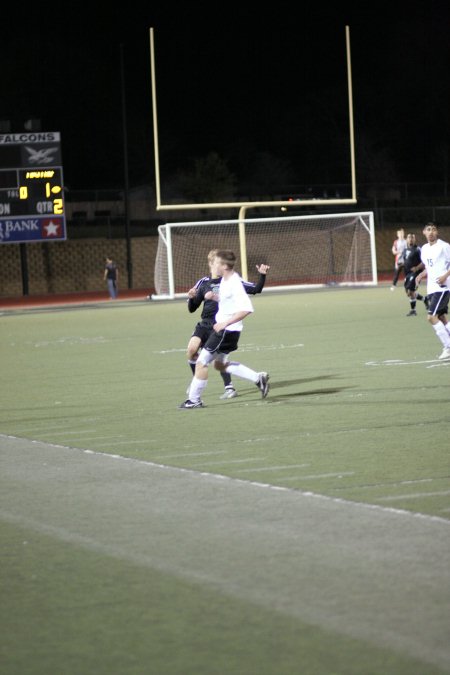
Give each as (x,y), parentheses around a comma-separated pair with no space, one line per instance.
(302,251)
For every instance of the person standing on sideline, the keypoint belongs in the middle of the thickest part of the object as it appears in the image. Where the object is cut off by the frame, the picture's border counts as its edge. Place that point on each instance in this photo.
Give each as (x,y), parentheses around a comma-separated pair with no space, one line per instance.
(413,265)
(435,256)
(111,276)
(398,249)
(204,328)
(234,306)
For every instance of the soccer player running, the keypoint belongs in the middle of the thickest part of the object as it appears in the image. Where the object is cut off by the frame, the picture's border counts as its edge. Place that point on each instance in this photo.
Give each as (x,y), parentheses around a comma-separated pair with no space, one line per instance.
(203,329)
(234,306)
(413,266)
(435,256)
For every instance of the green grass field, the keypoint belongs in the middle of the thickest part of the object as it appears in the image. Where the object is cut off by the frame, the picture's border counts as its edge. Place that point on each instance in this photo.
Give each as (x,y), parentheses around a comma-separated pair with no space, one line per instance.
(305,533)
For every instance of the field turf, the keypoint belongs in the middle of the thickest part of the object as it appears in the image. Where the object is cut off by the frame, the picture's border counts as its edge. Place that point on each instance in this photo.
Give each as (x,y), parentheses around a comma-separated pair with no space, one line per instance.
(305,533)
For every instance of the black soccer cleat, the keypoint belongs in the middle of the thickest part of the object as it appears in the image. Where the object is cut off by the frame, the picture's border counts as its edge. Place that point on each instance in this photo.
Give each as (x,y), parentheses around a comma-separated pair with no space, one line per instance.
(191,404)
(263,384)
(412,312)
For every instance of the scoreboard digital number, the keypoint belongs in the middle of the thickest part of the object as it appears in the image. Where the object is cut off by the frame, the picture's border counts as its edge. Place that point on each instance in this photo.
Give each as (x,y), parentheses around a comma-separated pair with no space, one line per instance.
(31,188)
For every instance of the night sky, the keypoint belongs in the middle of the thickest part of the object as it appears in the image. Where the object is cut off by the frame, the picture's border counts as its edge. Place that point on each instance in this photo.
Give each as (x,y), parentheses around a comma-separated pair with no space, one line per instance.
(258,88)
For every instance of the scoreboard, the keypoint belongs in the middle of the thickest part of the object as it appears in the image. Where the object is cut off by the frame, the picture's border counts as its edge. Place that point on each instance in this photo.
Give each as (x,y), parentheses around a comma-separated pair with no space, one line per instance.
(31,188)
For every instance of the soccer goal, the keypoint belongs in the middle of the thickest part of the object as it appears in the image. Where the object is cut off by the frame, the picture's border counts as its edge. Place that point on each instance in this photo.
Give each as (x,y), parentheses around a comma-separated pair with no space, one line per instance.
(302,251)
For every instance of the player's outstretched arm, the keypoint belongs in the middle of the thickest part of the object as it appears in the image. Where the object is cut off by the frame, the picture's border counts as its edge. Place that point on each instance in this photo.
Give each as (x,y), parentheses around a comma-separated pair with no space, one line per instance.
(253,289)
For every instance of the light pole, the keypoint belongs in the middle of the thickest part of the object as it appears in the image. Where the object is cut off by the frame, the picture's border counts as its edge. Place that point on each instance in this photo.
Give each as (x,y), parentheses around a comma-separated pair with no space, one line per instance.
(125,171)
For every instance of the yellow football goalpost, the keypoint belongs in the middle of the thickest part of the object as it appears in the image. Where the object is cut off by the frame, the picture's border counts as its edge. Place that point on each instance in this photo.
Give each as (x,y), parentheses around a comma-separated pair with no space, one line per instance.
(244,205)
(250,204)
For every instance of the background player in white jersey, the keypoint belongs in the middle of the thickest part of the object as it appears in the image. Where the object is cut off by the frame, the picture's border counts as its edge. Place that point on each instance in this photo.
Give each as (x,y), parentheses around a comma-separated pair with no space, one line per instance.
(435,256)
(234,306)
(398,250)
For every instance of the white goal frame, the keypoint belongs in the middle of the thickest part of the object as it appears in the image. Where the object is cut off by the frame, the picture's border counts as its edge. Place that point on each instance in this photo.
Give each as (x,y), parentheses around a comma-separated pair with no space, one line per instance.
(313,251)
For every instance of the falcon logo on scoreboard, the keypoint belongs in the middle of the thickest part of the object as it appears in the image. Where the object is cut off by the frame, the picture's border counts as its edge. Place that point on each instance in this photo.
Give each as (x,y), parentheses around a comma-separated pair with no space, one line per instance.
(38,155)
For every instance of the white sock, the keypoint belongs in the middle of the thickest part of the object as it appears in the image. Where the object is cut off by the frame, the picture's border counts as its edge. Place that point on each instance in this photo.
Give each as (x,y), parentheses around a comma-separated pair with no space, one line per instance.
(442,334)
(196,389)
(242,371)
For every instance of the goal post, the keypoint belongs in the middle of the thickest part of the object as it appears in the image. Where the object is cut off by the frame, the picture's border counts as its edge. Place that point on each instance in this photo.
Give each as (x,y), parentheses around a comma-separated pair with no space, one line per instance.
(160,206)
(303,251)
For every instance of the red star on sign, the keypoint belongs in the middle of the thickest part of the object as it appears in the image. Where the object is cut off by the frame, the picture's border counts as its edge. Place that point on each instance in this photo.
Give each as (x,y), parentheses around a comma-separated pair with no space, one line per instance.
(51,228)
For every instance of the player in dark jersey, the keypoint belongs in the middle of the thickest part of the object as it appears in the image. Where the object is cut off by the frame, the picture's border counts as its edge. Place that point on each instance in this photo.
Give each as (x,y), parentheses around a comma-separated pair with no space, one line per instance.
(413,265)
(203,329)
